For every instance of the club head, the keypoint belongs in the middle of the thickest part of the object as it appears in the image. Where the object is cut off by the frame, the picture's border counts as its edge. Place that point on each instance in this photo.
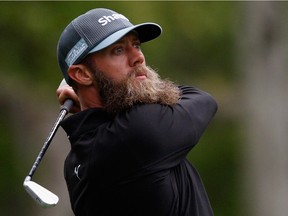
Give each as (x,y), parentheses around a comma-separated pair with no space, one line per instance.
(40,194)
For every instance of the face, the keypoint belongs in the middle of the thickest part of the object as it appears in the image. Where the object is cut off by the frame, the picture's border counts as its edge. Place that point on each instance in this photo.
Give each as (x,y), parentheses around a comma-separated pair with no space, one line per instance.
(120,58)
(123,79)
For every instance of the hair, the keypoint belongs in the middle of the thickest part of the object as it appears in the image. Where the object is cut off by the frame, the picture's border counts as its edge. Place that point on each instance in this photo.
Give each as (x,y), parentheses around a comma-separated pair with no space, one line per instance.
(120,96)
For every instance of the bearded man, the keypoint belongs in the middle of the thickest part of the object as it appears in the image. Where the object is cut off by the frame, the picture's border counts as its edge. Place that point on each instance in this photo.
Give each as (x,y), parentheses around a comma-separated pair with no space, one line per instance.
(132,130)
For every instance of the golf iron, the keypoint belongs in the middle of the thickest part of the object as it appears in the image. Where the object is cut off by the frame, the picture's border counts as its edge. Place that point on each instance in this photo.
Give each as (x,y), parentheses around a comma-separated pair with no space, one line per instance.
(40,194)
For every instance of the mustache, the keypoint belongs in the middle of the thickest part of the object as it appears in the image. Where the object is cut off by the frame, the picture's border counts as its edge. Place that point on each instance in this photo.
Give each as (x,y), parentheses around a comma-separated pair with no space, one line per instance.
(140,70)
(118,96)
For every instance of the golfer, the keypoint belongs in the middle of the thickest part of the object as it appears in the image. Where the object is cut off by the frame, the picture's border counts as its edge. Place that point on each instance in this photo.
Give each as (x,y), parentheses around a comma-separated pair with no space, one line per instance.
(132,130)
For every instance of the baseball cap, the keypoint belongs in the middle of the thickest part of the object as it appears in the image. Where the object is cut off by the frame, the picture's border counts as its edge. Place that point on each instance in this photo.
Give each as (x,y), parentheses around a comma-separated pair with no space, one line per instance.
(96,30)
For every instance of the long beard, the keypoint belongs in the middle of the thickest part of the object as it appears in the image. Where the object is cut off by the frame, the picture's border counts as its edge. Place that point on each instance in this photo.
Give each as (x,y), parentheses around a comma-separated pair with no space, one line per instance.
(121,96)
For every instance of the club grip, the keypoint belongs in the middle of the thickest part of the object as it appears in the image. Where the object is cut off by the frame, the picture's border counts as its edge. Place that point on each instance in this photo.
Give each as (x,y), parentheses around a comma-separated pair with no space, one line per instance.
(67,105)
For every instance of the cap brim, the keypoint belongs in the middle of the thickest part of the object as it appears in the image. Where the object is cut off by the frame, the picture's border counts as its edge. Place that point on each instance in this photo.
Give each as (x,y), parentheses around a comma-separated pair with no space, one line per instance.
(146,32)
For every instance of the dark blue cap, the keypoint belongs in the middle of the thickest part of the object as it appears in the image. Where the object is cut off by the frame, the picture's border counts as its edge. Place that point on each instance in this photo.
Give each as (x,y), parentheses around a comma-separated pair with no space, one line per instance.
(96,30)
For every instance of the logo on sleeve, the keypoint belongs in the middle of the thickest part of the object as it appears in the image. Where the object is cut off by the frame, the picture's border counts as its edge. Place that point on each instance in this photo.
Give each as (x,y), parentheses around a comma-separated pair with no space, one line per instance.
(76,171)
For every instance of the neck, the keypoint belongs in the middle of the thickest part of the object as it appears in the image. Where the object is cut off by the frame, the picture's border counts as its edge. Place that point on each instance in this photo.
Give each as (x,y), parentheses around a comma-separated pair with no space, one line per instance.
(89,98)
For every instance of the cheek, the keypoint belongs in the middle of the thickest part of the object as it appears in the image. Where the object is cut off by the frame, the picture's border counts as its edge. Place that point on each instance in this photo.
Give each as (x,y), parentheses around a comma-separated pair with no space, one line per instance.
(118,70)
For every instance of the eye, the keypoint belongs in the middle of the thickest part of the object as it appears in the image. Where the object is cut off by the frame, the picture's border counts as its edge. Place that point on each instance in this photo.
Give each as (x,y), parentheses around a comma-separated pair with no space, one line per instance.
(118,50)
(137,45)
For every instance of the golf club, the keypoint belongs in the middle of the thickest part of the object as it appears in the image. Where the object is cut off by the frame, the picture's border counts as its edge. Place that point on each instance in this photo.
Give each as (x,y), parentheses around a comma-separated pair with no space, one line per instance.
(40,194)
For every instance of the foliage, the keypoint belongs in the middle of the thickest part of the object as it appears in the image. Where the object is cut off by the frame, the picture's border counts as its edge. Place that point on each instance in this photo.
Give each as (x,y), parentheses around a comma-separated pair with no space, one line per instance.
(196,48)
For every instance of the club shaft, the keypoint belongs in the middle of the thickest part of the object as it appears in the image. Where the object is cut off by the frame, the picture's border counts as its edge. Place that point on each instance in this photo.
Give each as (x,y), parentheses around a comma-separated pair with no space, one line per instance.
(47,142)
(63,112)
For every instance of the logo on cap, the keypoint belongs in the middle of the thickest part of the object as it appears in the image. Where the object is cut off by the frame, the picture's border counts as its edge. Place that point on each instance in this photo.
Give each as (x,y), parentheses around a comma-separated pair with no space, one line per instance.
(104,20)
(76,51)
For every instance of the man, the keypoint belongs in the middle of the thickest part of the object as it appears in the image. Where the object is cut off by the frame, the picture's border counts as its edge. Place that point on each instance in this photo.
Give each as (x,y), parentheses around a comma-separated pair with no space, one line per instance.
(133,130)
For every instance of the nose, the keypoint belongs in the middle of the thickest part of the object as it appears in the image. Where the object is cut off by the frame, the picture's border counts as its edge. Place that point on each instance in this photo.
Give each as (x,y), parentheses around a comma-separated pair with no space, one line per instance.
(136,57)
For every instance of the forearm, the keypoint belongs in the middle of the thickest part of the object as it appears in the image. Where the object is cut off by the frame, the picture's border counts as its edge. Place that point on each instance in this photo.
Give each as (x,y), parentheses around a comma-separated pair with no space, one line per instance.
(199,106)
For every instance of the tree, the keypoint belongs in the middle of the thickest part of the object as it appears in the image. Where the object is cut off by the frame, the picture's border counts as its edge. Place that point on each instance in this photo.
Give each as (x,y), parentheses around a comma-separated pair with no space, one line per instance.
(262,41)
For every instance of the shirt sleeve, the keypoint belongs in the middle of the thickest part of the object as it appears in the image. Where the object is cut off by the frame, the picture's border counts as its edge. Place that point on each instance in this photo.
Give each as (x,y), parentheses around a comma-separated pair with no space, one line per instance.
(165,134)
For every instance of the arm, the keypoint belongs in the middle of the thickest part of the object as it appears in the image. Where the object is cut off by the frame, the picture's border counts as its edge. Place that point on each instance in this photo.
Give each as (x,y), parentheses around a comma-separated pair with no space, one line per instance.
(199,106)
(158,131)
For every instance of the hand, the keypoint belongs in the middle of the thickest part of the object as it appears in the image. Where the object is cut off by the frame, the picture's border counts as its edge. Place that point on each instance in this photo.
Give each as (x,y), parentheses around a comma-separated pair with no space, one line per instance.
(65,91)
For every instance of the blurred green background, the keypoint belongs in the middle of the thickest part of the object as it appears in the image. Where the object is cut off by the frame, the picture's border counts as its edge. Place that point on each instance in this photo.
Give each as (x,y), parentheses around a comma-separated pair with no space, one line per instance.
(215,46)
